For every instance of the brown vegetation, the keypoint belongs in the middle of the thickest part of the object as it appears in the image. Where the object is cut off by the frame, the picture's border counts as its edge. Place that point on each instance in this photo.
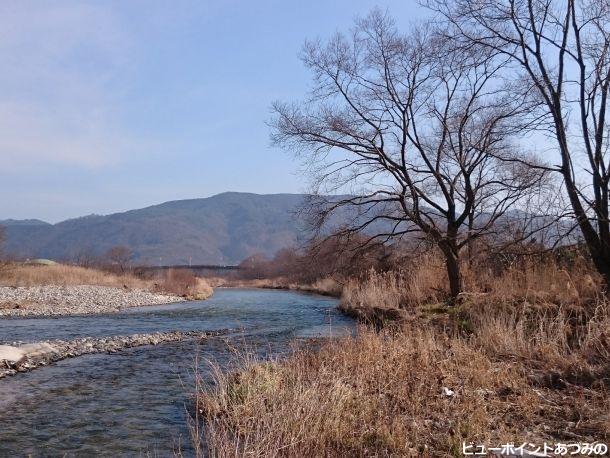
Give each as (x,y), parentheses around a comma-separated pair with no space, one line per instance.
(181,283)
(335,257)
(324,286)
(526,280)
(119,257)
(526,355)
(322,266)
(493,339)
(18,274)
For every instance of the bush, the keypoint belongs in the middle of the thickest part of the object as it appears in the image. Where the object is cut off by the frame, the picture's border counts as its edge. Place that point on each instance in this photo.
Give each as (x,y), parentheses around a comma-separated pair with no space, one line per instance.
(184,283)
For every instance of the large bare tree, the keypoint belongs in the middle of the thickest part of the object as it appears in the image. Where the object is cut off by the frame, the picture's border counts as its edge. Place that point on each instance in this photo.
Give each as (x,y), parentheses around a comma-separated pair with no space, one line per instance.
(562,49)
(415,133)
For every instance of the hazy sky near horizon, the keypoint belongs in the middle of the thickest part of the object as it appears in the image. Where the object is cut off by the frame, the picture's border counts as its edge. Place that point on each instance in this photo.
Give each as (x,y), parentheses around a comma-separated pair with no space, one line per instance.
(107,106)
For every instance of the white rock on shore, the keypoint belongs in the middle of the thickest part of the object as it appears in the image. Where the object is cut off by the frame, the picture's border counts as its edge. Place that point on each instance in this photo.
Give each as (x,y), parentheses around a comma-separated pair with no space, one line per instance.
(38,350)
(50,300)
(11,354)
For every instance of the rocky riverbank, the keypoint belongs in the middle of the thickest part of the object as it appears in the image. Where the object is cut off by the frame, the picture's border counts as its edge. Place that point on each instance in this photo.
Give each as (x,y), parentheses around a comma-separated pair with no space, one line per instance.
(50,300)
(16,357)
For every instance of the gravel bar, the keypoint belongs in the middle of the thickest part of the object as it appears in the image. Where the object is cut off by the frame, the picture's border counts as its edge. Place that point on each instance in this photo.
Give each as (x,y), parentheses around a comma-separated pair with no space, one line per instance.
(26,357)
(50,300)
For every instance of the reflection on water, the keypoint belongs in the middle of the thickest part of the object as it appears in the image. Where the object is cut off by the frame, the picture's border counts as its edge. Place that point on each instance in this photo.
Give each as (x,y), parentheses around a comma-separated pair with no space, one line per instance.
(134,402)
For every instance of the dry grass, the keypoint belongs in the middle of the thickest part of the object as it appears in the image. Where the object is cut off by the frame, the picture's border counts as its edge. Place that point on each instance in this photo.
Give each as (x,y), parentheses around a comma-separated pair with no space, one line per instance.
(181,283)
(324,286)
(65,275)
(381,394)
(391,290)
(424,283)
(538,282)
(184,283)
(561,346)
(381,295)
(527,362)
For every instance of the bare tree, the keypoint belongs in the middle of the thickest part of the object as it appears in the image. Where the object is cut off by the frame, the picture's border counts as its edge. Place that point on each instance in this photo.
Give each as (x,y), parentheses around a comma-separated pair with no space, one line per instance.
(85,256)
(255,266)
(561,48)
(120,256)
(417,132)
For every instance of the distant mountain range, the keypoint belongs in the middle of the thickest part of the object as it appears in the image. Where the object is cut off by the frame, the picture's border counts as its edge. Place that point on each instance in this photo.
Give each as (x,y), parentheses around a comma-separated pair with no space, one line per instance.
(223,229)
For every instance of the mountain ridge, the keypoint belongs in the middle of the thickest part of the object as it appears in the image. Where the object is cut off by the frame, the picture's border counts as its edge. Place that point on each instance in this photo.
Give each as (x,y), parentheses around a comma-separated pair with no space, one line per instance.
(221,229)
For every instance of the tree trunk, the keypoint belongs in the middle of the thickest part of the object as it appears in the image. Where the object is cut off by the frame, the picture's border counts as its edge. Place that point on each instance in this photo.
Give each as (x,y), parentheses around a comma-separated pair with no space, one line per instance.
(470,239)
(454,274)
(602,265)
(455,277)
(596,242)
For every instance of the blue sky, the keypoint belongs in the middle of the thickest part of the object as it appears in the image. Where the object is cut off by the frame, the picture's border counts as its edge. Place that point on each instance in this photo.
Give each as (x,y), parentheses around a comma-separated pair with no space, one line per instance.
(107,106)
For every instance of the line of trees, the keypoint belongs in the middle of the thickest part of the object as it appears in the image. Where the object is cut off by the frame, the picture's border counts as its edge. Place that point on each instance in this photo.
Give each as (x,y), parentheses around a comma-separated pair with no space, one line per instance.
(118,259)
(426,128)
(335,258)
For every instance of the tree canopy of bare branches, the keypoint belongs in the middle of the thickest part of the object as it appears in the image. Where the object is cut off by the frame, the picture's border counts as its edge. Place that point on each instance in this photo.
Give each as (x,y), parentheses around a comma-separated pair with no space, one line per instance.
(120,256)
(416,133)
(561,49)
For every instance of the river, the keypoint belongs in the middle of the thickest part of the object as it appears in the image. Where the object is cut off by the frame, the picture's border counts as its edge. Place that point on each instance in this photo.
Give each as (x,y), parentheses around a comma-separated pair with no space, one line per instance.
(135,402)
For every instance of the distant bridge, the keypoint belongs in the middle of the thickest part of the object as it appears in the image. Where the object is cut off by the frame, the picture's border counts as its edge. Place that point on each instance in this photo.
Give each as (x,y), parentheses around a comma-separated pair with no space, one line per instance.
(197,268)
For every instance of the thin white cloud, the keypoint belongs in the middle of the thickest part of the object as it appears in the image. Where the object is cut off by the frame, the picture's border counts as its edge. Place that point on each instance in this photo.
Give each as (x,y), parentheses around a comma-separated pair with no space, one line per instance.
(61,85)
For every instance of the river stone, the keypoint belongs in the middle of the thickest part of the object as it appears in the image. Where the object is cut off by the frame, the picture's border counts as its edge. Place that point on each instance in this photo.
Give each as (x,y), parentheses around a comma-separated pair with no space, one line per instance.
(11,354)
(54,300)
(38,350)
(27,357)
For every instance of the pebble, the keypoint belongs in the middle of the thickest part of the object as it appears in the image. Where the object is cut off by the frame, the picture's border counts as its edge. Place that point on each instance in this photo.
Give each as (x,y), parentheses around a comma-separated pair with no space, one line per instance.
(52,300)
(43,353)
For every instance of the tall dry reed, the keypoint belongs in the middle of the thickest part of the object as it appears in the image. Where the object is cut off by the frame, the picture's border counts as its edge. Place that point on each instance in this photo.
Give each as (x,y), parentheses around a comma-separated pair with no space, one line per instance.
(65,275)
(171,282)
(525,357)
(418,391)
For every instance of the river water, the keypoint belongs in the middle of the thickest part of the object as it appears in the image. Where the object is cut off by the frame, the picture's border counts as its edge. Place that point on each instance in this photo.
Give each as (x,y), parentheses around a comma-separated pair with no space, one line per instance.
(135,402)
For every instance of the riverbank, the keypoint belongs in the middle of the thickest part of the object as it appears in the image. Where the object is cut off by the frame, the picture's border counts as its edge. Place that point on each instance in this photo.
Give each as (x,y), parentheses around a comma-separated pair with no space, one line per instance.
(522,359)
(418,391)
(16,357)
(51,300)
(62,290)
(132,402)
(324,287)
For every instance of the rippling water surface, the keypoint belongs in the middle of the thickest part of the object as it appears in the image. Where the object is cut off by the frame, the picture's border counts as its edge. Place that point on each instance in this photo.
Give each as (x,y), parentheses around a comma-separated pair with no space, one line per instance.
(134,403)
